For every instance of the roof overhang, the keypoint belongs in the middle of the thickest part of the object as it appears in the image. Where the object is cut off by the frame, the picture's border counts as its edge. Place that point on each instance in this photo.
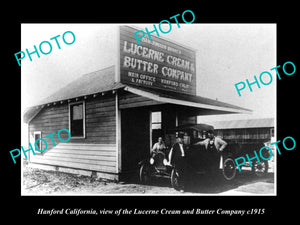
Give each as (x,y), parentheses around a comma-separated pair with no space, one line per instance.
(196,104)
(199,105)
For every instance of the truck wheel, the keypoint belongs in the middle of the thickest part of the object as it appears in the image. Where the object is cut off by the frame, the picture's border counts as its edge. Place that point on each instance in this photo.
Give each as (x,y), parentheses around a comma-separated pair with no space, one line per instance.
(144,173)
(260,169)
(229,169)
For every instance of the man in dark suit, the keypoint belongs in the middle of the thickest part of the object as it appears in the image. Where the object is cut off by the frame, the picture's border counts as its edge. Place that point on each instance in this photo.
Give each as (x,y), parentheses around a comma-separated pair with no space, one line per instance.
(178,158)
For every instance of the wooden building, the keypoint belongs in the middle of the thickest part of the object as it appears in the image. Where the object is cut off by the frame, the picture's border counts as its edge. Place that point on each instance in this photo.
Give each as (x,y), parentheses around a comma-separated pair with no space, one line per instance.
(246,131)
(115,114)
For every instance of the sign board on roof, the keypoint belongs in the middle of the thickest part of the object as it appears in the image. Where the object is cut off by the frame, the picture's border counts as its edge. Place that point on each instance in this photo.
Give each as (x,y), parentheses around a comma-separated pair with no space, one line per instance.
(156,63)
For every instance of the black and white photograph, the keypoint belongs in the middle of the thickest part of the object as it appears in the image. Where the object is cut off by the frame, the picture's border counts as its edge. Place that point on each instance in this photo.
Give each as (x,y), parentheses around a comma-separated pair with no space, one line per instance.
(150,109)
(150,112)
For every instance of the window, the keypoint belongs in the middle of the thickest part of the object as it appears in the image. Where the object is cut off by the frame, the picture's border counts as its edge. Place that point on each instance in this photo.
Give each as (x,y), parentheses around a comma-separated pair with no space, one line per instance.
(156,120)
(77,119)
(37,135)
(156,126)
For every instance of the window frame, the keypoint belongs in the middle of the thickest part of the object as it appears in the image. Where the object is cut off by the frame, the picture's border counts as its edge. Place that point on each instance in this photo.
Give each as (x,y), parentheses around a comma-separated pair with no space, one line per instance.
(83,117)
(152,123)
(38,132)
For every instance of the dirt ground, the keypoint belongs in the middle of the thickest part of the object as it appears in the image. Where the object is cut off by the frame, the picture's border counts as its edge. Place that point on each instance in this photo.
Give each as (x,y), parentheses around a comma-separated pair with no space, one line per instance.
(42,182)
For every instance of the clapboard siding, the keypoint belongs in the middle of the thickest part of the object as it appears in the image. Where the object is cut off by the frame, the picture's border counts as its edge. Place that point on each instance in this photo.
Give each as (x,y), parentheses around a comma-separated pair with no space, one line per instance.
(79,159)
(99,124)
(130,100)
(50,120)
(74,164)
(90,155)
(80,156)
(98,157)
(97,151)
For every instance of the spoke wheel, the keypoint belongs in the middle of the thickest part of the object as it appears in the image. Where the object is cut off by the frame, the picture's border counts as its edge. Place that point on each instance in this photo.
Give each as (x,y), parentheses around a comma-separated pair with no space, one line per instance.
(229,169)
(144,173)
(260,169)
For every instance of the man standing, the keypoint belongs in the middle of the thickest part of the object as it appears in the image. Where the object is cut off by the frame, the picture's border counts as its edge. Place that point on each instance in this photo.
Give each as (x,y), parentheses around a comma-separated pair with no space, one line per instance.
(215,146)
(178,158)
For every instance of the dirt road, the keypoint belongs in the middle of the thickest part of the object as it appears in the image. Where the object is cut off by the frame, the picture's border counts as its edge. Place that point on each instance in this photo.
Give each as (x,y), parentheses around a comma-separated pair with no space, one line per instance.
(41,182)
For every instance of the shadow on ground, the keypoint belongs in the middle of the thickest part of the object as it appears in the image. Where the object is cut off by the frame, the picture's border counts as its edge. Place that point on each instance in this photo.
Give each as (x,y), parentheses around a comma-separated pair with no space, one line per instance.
(245,182)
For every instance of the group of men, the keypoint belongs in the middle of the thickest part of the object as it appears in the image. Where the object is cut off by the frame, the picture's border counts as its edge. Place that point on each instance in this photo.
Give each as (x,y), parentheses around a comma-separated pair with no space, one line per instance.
(177,154)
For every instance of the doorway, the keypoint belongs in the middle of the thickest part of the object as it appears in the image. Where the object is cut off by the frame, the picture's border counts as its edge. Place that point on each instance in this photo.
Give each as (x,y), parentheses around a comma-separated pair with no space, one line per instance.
(135,133)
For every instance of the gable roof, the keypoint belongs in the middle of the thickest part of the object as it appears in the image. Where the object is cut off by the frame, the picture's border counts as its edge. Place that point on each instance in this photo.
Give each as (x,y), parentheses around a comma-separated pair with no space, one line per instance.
(104,80)
(91,83)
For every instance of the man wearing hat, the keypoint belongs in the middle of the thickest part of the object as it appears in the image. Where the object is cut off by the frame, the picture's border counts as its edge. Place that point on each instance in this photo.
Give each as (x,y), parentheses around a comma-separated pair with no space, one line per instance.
(215,146)
(178,158)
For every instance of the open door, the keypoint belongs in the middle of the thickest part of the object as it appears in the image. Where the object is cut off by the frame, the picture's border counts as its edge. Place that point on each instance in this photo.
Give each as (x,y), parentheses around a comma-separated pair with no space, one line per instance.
(135,134)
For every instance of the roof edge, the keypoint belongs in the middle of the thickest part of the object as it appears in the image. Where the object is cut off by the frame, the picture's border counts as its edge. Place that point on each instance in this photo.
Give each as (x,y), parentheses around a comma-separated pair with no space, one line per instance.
(32,111)
(184,102)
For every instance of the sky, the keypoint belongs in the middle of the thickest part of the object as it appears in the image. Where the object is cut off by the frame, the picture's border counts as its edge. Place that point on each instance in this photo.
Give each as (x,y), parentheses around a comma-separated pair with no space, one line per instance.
(225,55)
